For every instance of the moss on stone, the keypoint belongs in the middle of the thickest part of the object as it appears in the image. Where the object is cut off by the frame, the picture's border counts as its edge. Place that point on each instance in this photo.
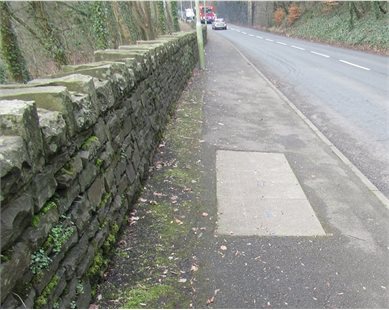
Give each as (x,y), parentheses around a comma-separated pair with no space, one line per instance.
(99,263)
(42,300)
(36,219)
(89,142)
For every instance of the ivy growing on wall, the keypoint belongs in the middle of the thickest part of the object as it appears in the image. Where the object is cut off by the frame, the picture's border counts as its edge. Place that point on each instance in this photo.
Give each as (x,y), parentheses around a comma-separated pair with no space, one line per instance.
(176,26)
(99,20)
(10,48)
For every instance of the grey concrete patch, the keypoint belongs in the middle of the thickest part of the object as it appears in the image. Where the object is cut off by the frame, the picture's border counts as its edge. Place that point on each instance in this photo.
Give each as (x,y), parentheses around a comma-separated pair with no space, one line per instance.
(258,194)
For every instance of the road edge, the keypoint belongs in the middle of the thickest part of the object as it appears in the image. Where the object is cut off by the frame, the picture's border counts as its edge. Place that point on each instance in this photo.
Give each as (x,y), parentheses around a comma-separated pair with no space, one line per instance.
(380,196)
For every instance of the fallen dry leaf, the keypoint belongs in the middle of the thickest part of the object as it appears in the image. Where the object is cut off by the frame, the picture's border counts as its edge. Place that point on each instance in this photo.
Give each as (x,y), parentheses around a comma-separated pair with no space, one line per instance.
(194,268)
(223,248)
(178,221)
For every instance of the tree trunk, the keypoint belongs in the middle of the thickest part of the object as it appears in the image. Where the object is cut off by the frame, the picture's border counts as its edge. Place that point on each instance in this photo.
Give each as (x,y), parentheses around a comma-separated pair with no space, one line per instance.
(10,48)
(250,12)
(52,41)
(124,31)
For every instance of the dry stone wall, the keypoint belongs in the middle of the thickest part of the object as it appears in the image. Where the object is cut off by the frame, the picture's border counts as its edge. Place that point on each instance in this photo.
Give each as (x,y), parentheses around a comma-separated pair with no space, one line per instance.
(74,149)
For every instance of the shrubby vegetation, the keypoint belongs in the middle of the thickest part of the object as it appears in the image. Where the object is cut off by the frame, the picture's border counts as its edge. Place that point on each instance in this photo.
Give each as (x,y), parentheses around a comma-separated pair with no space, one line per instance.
(361,24)
(38,37)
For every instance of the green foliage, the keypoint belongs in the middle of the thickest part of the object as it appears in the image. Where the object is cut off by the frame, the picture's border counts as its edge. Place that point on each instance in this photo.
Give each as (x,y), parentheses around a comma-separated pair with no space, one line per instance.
(129,20)
(41,301)
(58,237)
(99,162)
(79,288)
(174,9)
(39,261)
(46,208)
(48,34)
(3,72)
(88,142)
(99,264)
(111,239)
(335,27)
(161,17)
(99,21)
(10,48)
(104,200)
(73,304)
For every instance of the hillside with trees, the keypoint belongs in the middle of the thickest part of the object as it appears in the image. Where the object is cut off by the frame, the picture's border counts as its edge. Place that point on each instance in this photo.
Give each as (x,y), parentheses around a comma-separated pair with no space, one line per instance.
(358,24)
(38,37)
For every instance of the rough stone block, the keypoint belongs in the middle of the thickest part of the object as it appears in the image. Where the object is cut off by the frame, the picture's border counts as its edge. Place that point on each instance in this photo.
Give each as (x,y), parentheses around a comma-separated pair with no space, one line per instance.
(112,55)
(84,299)
(53,98)
(95,192)
(107,155)
(53,128)
(85,111)
(35,235)
(13,155)
(74,256)
(87,176)
(20,118)
(68,173)
(105,94)
(44,186)
(78,83)
(16,265)
(101,131)
(80,213)
(15,217)
(66,197)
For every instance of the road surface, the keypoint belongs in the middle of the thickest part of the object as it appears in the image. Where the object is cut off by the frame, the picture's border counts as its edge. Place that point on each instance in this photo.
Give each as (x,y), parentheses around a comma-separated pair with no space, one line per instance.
(319,242)
(345,93)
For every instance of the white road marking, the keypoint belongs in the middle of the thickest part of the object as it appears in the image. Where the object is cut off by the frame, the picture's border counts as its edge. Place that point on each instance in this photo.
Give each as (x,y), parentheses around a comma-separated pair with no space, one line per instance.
(320,54)
(251,35)
(269,40)
(244,32)
(351,64)
(299,48)
(259,37)
(281,43)
(238,30)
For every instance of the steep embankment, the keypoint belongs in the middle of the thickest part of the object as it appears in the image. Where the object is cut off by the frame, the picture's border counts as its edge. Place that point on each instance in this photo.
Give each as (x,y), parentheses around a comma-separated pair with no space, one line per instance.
(335,26)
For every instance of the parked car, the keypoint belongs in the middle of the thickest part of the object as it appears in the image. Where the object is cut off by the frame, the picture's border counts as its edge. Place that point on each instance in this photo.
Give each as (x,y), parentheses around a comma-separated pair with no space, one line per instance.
(219,23)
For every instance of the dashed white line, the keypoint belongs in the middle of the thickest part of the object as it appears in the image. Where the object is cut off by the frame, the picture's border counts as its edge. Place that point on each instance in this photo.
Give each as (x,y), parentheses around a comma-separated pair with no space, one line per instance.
(269,40)
(351,64)
(259,37)
(251,35)
(244,32)
(282,43)
(320,54)
(299,48)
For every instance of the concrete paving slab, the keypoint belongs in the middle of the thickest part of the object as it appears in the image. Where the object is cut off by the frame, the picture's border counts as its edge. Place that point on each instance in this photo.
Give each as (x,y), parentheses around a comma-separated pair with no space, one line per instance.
(258,194)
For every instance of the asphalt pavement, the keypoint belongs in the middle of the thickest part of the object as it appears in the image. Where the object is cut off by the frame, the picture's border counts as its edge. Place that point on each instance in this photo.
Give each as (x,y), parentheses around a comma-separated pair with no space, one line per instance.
(344,92)
(344,267)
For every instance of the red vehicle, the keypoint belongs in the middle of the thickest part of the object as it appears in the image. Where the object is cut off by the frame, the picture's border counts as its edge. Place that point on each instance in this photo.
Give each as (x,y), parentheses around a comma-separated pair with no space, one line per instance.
(209,16)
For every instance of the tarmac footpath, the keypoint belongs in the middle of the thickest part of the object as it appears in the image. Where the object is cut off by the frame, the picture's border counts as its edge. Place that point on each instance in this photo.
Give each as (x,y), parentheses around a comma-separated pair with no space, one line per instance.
(316,235)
